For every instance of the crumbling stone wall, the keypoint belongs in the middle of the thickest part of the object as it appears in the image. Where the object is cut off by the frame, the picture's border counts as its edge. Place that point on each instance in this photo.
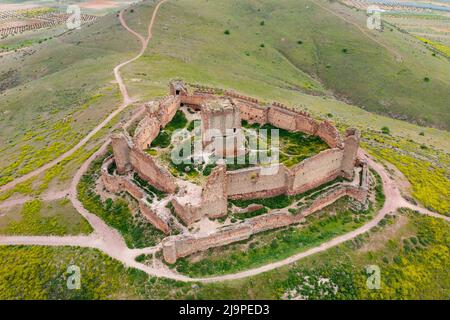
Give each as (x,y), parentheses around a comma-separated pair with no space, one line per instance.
(121,145)
(181,246)
(214,194)
(116,184)
(158,221)
(304,123)
(251,112)
(282,118)
(195,100)
(232,94)
(177,88)
(166,110)
(147,169)
(213,202)
(328,133)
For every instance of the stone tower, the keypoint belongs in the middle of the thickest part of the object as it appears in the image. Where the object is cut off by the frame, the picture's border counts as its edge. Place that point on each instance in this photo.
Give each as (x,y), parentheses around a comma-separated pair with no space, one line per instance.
(121,150)
(177,88)
(221,127)
(351,145)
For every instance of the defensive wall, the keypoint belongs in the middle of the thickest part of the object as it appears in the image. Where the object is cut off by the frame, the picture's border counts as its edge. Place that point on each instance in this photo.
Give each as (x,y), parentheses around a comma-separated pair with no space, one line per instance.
(176,247)
(116,184)
(249,183)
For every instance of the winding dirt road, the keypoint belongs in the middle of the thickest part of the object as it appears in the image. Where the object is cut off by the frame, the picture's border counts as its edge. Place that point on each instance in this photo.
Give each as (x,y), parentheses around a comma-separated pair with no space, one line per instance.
(126,102)
(112,243)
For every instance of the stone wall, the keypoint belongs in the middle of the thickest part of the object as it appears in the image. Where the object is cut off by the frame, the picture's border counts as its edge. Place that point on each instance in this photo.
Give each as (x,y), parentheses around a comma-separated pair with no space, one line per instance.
(121,145)
(128,152)
(181,246)
(304,123)
(315,171)
(281,117)
(328,133)
(253,183)
(213,202)
(195,100)
(251,112)
(168,106)
(351,146)
(116,184)
(147,169)
(146,132)
(214,194)
(158,221)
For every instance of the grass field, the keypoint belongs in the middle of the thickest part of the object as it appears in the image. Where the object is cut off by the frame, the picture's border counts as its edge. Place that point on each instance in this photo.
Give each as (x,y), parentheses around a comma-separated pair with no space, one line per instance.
(412,252)
(53,96)
(50,115)
(37,218)
(190,43)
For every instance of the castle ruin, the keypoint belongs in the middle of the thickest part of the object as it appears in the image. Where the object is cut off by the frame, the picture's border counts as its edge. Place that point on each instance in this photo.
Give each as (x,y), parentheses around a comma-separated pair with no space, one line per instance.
(224,111)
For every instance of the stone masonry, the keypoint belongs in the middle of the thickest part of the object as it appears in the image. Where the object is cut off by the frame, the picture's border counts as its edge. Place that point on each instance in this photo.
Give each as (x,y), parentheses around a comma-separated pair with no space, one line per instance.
(223,110)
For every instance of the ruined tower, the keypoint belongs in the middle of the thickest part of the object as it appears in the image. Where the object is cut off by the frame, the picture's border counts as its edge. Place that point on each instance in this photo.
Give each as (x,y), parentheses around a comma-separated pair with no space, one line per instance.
(121,150)
(351,145)
(177,88)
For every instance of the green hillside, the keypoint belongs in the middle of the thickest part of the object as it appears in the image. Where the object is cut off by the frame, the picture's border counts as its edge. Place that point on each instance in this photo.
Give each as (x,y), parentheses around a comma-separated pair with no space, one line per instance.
(54,92)
(298,46)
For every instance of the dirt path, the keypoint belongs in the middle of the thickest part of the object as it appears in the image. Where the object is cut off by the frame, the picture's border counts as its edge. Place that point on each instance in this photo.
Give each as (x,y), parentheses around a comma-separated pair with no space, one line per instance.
(50,196)
(112,243)
(126,102)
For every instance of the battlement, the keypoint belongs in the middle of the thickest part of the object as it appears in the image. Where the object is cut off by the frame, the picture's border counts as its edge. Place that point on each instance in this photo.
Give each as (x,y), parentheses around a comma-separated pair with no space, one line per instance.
(236,95)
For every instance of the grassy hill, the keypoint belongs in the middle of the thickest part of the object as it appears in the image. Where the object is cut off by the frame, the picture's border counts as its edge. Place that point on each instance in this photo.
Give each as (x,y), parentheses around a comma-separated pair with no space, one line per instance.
(301,47)
(54,92)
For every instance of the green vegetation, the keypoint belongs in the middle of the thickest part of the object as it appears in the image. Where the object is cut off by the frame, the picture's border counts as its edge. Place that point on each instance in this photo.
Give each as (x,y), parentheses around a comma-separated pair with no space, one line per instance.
(420,272)
(147,187)
(137,232)
(246,215)
(41,273)
(56,92)
(35,12)
(426,169)
(178,121)
(162,141)
(282,201)
(442,48)
(368,75)
(38,218)
(385,130)
(275,245)
(294,146)
(20,44)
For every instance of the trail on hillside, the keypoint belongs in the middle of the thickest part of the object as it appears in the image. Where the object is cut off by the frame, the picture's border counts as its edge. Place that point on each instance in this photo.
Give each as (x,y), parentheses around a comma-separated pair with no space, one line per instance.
(126,102)
(111,242)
